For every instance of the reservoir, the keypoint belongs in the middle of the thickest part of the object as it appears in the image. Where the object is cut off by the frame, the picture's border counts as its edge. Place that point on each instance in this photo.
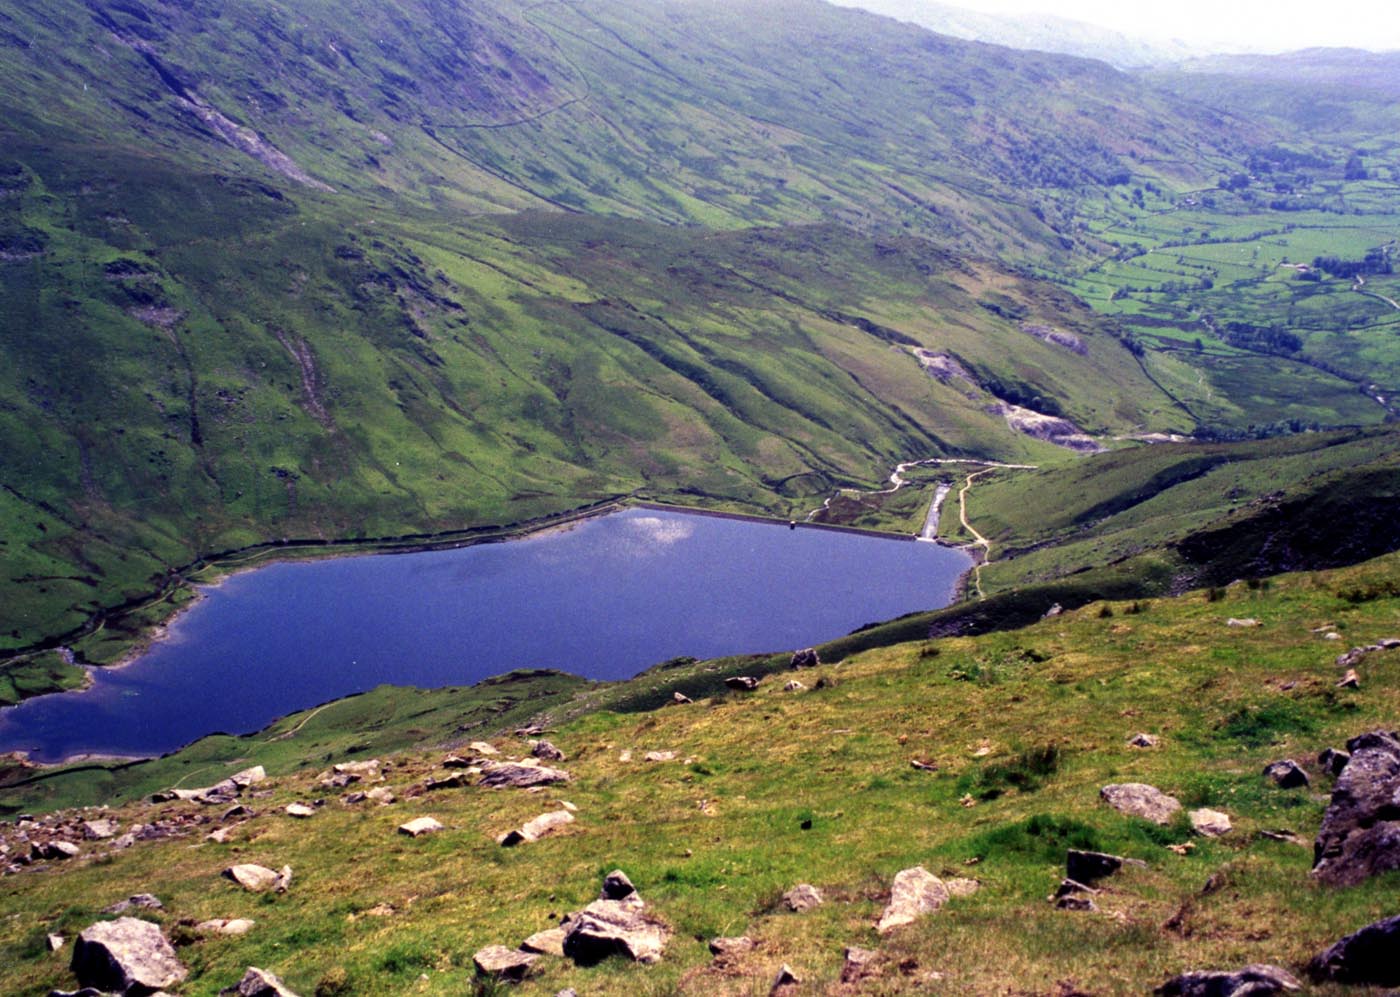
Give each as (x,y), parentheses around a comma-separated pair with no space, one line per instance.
(603,598)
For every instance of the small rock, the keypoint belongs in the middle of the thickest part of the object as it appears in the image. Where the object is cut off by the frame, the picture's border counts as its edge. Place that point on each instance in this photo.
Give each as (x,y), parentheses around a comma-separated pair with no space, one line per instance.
(962,887)
(914,893)
(1071,887)
(548,942)
(258,983)
(625,756)
(482,748)
(56,850)
(54,942)
(520,776)
(1284,835)
(1252,981)
(248,777)
(300,810)
(922,766)
(1247,622)
(794,686)
(858,964)
(547,751)
(785,980)
(225,926)
(1089,867)
(420,826)
(1332,761)
(1350,680)
(825,682)
(239,812)
(1367,956)
(221,835)
(381,795)
(742,683)
(659,756)
(724,948)
(681,699)
(1141,740)
(805,658)
(616,886)
(503,963)
(126,955)
(802,897)
(100,829)
(1286,774)
(1077,902)
(253,878)
(540,827)
(1209,823)
(1138,799)
(146,901)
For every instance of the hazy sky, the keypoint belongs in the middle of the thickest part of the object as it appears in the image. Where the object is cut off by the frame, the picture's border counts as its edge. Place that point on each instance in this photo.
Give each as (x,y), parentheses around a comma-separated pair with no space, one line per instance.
(1236,25)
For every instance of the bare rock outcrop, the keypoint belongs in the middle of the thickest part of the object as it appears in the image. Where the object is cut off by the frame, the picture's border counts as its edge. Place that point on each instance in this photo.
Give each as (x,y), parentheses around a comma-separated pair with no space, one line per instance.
(520,775)
(617,923)
(257,983)
(1252,981)
(1360,833)
(1365,957)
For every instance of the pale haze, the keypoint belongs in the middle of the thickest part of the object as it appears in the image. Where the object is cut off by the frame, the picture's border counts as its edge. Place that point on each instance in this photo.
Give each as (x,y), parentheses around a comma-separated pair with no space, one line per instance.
(1219,25)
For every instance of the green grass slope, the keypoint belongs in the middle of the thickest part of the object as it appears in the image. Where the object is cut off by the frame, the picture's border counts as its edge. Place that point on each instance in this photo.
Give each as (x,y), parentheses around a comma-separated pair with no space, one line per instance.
(774,788)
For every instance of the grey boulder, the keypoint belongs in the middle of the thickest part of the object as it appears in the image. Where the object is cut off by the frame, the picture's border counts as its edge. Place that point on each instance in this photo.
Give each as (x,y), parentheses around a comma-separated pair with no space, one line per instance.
(1360,832)
(1137,799)
(257,983)
(1369,956)
(128,956)
(1252,981)
(915,893)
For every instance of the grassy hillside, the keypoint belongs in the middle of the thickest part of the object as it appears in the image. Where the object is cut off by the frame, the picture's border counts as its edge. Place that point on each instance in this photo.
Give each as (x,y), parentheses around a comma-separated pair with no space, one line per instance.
(1022,729)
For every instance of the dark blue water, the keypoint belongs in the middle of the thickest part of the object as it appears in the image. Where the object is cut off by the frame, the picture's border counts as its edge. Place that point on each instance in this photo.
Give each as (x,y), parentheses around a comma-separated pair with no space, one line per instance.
(604,599)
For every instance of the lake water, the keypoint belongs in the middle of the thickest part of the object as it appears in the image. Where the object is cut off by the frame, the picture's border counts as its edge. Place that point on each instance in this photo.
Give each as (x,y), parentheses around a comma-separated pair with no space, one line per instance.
(605,599)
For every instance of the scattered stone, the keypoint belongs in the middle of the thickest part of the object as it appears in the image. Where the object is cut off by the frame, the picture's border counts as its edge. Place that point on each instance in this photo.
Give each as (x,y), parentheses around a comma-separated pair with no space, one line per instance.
(1141,740)
(100,829)
(1284,835)
(1252,981)
(1053,611)
(802,897)
(225,926)
(146,901)
(1077,902)
(518,775)
(742,683)
(547,751)
(1286,774)
(785,981)
(1332,761)
(625,756)
(825,682)
(1138,799)
(614,924)
(503,963)
(616,886)
(482,748)
(1360,833)
(859,963)
(248,777)
(127,955)
(681,699)
(915,893)
(962,887)
(240,812)
(221,835)
(1367,956)
(794,686)
(1246,622)
(725,948)
(55,851)
(54,942)
(381,795)
(259,879)
(1350,680)
(1089,867)
(541,826)
(1071,887)
(1209,823)
(420,826)
(1185,848)
(548,942)
(300,810)
(659,756)
(805,658)
(258,983)
(457,780)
